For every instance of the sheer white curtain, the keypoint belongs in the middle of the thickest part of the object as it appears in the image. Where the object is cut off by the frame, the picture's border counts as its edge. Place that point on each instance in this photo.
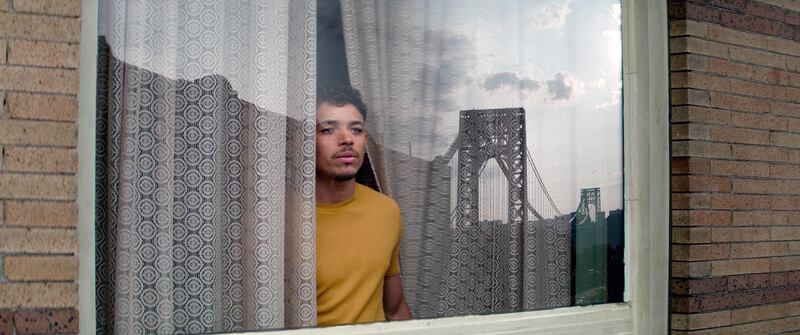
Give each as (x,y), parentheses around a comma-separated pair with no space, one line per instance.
(414,62)
(488,118)
(205,166)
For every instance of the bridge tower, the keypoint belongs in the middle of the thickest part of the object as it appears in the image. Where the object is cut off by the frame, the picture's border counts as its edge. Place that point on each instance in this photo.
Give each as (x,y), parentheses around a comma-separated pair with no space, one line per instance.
(590,244)
(490,246)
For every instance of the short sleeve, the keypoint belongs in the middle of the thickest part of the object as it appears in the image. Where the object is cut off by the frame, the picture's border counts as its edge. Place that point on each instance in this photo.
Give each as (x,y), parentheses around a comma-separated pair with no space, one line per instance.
(394,263)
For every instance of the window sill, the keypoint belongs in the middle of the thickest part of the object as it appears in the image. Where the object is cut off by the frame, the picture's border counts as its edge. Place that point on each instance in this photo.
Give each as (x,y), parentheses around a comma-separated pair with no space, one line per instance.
(598,319)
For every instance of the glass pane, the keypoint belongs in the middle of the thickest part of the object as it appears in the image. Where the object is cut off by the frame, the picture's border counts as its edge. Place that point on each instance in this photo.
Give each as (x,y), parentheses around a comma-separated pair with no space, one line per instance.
(497,127)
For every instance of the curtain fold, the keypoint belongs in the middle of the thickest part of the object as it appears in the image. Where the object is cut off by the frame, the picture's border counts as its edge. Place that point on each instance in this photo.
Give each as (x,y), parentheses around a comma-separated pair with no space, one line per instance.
(415,63)
(205,166)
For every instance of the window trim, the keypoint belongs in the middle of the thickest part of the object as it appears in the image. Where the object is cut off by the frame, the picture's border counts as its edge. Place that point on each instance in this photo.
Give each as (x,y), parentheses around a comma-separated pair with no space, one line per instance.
(87,106)
(646,166)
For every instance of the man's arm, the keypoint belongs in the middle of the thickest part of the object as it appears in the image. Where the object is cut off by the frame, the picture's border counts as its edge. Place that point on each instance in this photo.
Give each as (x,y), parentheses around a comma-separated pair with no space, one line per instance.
(394,301)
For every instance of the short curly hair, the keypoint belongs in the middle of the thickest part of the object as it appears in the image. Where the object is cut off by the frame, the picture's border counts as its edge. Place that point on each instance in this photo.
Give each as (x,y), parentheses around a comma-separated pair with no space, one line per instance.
(340,94)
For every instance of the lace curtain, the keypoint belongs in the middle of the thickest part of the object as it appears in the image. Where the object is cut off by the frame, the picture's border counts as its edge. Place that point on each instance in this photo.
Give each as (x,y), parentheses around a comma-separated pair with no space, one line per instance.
(460,93)
(205,166)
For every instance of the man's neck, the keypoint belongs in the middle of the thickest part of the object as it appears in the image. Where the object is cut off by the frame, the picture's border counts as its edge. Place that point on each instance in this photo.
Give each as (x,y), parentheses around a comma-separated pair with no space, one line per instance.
(330,191)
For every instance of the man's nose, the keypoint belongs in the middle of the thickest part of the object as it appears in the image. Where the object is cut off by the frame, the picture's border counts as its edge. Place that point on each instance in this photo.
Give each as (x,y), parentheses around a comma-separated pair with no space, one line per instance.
(346,138)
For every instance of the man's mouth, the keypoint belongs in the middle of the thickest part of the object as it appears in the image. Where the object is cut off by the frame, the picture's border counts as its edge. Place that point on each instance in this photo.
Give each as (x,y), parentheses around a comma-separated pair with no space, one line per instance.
(346,157)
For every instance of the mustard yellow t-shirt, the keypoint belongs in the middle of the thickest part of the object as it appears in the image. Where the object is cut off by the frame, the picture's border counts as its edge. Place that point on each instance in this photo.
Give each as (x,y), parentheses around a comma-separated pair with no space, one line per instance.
(358,242)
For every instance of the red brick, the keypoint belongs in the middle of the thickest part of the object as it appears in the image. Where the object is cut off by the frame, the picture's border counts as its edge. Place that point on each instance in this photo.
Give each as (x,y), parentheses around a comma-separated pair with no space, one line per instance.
(740,168)
(784,171)
(33,159)
(42,107)
(785,139)
(53,7)
(792,17)
(784,202)
(756,24)
(792,94)
(699,286)
(6,321)
(38,295)
(36,186)
(739,201)
(758,90)
(699,81)
(705,320)
(701,218)
(701,184)
(759,249)
(736,5)
(41,214)
(793,63)
(750,281)
(759,121)
(788,263)
(701,149)
(793,79)
(35,79)
(689,62)
(700,252)
(51,54)
(794,157)
(738,37)
(757,57)
(46,321)
(702,13)
(764,10)
(39,240)
(691,235)
(699,269)
(758,313)
(701,115)
(692,165)
(730,300)
(759,153)
(697,46)
(730,68)
(751,218)
(690,201)
(40,27)
(739,103)
(739,234)
(16,132)
(40,268)
(770,76)
(761,186)
(785,109)
(684,96)
(686,27)
(739,135)
(786,217)
(686,131)
(778,279)
(782,295)
(685,304)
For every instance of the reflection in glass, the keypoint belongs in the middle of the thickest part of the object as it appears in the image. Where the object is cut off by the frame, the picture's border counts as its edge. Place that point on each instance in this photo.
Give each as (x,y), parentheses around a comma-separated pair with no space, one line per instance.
(497,128)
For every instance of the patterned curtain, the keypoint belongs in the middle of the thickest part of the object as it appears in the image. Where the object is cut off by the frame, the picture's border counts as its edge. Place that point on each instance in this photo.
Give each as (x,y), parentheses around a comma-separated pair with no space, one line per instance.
(205,166)
(474,242)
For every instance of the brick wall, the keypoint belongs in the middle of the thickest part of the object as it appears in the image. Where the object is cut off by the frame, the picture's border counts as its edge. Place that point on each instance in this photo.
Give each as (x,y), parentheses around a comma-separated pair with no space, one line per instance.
(38,135)
(735,79)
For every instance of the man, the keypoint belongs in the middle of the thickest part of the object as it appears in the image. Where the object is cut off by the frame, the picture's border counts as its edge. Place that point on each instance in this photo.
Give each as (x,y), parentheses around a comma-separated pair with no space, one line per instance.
(358,229)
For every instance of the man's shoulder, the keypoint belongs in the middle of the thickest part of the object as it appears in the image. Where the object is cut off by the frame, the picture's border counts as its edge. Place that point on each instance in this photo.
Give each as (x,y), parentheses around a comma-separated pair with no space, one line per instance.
(377,198)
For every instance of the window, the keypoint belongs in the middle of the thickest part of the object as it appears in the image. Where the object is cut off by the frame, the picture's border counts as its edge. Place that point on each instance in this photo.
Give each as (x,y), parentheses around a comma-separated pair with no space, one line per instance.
(645,152)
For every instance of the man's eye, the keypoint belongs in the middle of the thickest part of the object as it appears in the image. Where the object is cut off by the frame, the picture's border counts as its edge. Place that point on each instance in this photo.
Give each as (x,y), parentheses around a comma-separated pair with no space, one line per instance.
(357,130)
(326,130)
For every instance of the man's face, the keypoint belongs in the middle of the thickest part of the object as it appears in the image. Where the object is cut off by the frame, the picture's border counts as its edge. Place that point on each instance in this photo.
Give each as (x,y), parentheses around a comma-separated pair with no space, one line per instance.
(341,141)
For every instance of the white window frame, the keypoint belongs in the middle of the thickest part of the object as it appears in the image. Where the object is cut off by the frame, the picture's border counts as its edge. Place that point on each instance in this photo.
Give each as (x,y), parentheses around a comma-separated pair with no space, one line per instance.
(646,164)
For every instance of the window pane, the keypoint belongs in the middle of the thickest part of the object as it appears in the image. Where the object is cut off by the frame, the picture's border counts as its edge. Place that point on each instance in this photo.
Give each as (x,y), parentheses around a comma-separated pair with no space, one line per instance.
(498,129)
